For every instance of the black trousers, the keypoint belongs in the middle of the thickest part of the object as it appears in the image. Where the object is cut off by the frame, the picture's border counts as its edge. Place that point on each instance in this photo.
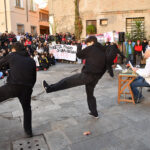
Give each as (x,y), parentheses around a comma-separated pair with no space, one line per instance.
(24,94)
(88,79)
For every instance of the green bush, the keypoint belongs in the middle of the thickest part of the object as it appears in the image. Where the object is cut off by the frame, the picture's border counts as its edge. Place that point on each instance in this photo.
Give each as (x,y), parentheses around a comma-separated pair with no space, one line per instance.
(91,29)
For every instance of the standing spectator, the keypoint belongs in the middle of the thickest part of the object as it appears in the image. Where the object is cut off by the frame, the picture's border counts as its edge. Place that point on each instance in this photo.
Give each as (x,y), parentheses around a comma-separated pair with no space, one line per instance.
(18,37)
(138,53)
(63,39)
(130,51)
(144,44)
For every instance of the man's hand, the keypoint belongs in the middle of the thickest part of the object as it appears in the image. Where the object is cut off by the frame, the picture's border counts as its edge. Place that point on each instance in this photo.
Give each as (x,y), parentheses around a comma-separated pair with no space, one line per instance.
(135,69)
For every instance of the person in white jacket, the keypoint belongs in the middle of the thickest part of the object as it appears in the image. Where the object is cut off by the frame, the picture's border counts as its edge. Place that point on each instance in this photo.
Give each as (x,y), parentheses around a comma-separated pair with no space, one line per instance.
(143,80)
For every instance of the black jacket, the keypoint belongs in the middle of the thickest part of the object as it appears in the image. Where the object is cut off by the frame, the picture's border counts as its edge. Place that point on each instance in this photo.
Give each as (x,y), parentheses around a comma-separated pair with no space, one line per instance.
(22,69)
(95,58)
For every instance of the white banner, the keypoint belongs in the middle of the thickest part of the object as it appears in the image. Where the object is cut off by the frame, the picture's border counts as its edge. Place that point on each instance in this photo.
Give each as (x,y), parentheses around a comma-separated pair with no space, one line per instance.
(65,52)
(108,36)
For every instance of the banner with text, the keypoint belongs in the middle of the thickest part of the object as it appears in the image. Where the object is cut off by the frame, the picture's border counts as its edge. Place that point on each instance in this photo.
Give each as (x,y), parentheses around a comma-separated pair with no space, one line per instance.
(65,52)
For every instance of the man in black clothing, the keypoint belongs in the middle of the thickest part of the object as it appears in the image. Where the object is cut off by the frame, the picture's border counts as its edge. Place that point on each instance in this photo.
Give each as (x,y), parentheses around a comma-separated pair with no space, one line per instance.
(92,71)
(111,53)
(20,81)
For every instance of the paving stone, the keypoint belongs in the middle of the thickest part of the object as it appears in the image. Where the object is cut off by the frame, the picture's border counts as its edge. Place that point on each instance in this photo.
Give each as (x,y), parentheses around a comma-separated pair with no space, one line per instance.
(56,140)
(62,99)
(64,124)
(97,143)
(98,127)
(5,145)
(127,132)
(35,143)
(121,126)
(41,127)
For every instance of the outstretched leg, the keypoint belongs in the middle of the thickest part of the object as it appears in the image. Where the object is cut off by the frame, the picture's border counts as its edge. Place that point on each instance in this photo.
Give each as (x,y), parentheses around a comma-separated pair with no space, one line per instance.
(69,82)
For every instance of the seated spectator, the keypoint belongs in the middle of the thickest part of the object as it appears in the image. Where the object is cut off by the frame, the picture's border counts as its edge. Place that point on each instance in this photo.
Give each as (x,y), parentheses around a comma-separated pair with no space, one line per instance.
(45,47)
(39,49)
(51,59)
(44,64)
(143,80)
(36,59)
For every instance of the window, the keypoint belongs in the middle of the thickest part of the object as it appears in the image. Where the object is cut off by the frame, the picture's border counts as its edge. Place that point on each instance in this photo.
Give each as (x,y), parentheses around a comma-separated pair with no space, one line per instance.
(32,5)
(33,30)
(20,28)
(19,3)
(131,23)
(92,23)
(103,22)
(44,17)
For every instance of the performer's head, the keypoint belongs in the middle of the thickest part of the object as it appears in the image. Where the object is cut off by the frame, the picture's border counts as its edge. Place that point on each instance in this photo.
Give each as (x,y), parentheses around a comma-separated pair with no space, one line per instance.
(17,47)
(91,40)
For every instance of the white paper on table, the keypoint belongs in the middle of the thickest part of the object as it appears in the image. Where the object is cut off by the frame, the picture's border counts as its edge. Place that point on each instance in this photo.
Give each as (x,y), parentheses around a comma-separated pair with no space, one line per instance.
(118,67)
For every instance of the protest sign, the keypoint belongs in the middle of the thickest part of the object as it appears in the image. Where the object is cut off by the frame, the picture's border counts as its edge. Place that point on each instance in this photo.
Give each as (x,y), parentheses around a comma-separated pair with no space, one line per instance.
(65,52)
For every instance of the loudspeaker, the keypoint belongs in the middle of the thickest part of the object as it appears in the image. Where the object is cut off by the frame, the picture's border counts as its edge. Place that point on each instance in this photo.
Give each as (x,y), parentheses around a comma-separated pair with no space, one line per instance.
(121,36)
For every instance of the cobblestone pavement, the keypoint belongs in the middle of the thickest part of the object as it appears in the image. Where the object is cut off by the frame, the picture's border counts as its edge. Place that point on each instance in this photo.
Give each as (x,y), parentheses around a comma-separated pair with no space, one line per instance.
(60,118)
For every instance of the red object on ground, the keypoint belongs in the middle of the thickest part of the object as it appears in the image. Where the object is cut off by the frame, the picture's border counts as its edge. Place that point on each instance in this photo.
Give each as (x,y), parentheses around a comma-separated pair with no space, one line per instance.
(37,69)
(45,69)
(87,133)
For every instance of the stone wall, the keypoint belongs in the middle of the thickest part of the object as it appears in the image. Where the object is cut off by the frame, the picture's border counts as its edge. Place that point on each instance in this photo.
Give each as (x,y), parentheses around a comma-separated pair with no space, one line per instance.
(116,11)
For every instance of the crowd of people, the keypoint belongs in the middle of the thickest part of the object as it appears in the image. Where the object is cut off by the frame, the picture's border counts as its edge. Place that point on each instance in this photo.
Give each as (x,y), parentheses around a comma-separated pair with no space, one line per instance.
(37,47)
(135,51)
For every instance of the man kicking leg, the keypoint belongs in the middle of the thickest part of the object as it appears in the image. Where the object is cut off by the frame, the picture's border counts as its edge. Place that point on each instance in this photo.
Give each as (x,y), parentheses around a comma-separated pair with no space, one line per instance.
(92,71)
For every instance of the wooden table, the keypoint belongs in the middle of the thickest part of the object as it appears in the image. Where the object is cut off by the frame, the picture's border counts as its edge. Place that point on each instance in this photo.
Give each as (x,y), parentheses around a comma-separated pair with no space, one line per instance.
(124,89)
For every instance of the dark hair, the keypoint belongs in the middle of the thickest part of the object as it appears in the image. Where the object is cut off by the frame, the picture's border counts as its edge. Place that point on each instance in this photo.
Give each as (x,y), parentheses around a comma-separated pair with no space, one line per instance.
(18,46)
(91,39)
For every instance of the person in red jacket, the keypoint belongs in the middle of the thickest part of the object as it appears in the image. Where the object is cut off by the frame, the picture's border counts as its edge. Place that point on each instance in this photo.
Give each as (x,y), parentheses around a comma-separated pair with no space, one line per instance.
(27,42)
(138,53)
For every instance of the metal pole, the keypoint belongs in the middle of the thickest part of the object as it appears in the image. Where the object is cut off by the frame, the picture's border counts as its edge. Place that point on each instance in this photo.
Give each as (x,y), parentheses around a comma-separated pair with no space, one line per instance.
(122,52)
(27,10)
(5,15)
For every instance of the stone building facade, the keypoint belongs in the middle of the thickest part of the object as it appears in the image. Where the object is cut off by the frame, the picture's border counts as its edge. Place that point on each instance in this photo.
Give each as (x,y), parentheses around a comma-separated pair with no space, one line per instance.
(110,15)
(21,16)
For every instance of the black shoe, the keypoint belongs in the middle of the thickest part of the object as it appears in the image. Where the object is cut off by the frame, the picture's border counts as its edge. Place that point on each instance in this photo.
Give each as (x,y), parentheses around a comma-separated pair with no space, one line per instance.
(28,133)
(94,115)
(139,100)
(45,85)
(111,73)
(148,90)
